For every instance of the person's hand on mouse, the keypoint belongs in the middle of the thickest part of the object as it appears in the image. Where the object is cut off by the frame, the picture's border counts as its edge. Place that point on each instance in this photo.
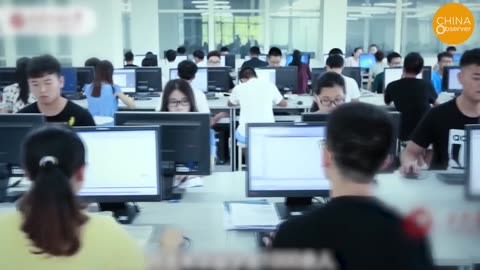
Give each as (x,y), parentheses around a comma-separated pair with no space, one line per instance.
(268,239)
(410,168)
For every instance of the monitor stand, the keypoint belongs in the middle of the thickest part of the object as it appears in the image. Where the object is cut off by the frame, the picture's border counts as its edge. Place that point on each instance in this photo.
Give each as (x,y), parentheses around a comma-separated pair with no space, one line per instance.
(294,207)
(124,213)
(170,191)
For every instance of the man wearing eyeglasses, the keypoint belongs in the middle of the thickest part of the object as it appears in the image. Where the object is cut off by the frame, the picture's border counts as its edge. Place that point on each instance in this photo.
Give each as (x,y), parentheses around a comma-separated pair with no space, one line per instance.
(335,63)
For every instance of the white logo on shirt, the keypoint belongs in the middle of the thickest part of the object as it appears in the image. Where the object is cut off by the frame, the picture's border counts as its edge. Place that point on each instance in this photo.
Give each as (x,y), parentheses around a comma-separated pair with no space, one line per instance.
(456,149)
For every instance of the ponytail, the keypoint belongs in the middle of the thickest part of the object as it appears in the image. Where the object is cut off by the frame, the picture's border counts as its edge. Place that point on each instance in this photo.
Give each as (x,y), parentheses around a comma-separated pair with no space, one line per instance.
(52,214)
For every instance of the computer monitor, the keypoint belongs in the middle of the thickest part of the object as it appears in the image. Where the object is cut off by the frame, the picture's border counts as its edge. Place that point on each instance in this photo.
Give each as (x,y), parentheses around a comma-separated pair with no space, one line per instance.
(199,83)
(262,57)
(218,79)
(108,150)
(148,79)
(366,60)
(266,75)
(305,58)
(395,117)
(285,78)
(450,82)
(70,80)
(125,78)
(457,57)
(7,76)
(13,129)
(472,169)
(85,75)
(230,60)
(222,60)
(316,72)
(185,139)
(179,59)
(277,174)
(354,73)
(395,74)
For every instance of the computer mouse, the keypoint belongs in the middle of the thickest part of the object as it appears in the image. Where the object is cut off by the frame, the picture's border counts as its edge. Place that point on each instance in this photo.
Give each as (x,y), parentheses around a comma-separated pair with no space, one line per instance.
(416,176)
(299,102)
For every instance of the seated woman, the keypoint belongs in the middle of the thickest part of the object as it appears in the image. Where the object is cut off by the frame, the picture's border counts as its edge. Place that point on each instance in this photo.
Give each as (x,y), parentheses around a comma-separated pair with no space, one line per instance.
(103,94)
(328,93)
(178,97)
(49,230)
(17,96)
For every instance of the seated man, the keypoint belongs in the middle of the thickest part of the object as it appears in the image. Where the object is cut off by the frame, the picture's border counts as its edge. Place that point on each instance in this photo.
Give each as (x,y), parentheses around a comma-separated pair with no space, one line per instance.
(354,225)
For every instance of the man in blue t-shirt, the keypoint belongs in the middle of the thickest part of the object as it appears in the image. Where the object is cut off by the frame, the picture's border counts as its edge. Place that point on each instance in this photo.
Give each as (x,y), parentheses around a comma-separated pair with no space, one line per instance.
(444,59)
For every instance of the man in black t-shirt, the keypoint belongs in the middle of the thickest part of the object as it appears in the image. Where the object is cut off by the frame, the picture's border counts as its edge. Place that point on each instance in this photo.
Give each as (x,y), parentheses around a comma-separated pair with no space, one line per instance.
(361,231)
(443,126)
(412,96)
(45,82)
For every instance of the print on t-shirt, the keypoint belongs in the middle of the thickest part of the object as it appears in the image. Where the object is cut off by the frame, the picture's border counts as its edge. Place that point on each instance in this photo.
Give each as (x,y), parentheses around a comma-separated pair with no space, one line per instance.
(456,149)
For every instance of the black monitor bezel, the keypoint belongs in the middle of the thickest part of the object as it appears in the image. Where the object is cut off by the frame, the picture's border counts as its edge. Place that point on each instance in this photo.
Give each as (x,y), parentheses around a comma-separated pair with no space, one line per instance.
(139,70)
(278,193)
(468,176)
(128,198)
(446,80)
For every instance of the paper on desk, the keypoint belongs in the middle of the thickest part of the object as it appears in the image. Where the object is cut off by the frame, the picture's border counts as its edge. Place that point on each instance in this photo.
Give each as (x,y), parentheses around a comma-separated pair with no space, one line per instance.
(191,182)
(253,216)
(141,234)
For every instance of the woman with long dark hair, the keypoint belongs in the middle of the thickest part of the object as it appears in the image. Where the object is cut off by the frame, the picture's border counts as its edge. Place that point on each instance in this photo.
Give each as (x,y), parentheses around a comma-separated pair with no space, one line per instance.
(304,73)
(17,96)
(50,230)
(103,94)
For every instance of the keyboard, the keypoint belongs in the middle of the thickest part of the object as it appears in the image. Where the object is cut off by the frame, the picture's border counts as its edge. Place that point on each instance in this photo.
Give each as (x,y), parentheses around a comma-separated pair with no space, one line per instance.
(78,96)
(142,98)
(452,178)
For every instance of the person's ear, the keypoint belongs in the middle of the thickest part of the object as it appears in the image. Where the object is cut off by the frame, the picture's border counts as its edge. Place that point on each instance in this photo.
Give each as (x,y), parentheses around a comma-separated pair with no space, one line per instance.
(326,157)
(78,179)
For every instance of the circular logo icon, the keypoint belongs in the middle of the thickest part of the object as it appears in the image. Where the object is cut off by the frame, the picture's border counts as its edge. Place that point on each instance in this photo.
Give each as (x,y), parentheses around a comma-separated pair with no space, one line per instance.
(453,23)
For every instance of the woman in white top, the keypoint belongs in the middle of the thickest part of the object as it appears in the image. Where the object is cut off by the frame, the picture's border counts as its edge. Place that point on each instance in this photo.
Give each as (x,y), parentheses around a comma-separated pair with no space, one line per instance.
(17,95)
(354,60)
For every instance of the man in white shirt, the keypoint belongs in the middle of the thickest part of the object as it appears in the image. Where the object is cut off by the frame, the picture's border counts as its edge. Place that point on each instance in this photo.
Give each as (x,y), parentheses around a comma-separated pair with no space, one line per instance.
(256,99)
(171,56)
(335,64)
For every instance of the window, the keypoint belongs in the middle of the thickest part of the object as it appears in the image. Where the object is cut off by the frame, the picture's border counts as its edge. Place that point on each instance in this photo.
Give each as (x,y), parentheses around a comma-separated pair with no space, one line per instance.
(187,29)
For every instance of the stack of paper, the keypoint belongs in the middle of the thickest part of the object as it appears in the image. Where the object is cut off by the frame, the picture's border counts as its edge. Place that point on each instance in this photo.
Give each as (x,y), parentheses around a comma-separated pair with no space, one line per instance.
(250,215)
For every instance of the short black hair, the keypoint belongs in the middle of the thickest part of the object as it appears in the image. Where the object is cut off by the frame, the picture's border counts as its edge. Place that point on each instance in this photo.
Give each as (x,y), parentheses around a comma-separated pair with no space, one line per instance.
(373,45)
(359,136)
(451,48)
(128,56)
(181,50)
(199,54)
(187,70)
(247,73)
(335,61)
(335,51)
(43,65)
(214,53)
(379,56)
(224,49)
(470,57)
(150,60)
(92,62)
(444,54)
(274,51)
(255,50)
(413,63)
(329,79)
(392,55)
(171,55)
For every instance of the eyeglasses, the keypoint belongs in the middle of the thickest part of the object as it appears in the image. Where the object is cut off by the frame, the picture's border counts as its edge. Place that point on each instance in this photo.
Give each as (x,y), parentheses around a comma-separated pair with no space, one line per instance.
(329,102)
(175,103)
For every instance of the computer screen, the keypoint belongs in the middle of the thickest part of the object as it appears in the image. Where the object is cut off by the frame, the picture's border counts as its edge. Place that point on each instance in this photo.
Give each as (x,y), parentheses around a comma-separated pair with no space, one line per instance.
(276,160)
(473,159)
(199,83)
(450,80)
(285,77)
(305,59)
(122,164)
(222,60)
(7,76)
(149,79)
(230,60)
(185,139)
(85,76)
(179,59)
(13,129)
(262,57)
(366,60)
(266,75)
(125,78)
(219,79)
(354,73)
(69,80)
(457,57)
(395,116)
(395,74)
(316,72)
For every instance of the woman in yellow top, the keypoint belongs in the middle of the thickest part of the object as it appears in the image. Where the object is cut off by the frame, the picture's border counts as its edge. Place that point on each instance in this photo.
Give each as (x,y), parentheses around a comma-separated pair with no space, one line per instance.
(49,230)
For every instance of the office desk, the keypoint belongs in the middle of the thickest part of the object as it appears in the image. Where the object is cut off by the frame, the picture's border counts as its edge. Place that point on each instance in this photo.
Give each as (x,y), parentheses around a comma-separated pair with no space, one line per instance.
(200,215)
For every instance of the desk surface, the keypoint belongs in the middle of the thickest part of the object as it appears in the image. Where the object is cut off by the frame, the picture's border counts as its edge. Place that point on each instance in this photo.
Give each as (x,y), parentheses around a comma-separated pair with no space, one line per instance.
(200,215)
